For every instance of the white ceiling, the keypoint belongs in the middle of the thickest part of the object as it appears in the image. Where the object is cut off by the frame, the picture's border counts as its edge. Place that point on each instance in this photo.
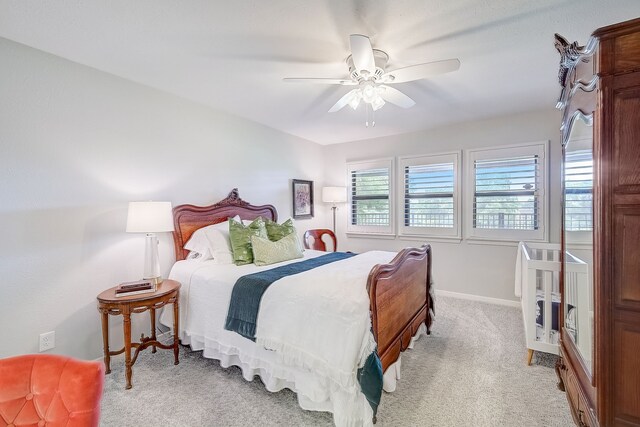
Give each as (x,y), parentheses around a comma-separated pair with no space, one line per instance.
(232,55)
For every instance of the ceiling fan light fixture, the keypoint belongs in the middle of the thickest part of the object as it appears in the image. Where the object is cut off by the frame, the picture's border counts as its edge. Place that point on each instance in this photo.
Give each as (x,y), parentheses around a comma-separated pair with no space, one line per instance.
(355,100)
(369,92)
(377,103)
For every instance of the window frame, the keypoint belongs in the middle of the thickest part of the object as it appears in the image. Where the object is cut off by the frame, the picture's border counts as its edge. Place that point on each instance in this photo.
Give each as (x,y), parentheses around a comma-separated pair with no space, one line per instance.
(372,229)
(454,233)
(541,149)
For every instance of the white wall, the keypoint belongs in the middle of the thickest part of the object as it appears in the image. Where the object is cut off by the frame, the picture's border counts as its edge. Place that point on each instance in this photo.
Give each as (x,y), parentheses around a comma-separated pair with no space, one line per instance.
(485,270)
(76,145)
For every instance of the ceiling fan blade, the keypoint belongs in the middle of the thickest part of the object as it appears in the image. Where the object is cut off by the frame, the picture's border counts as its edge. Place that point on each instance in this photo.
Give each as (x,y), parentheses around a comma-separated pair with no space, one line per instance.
(342,102)
(396,97)
(320,81)
(362,53)
(421,71)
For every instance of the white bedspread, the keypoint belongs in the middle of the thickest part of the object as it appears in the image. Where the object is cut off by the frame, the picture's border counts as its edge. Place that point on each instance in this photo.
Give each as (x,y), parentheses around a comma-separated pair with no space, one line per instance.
(317,357)
(335,337)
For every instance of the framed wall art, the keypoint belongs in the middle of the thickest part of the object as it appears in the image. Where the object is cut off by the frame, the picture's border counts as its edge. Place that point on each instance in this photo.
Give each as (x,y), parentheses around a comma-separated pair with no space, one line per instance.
(302,199)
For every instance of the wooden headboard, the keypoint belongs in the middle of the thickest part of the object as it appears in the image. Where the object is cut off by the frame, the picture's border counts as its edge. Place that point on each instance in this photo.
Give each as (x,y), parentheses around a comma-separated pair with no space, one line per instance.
(188,218)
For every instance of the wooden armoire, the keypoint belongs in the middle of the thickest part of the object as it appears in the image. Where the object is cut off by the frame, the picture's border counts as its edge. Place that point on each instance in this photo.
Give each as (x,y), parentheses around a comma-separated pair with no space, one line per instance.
(599,367)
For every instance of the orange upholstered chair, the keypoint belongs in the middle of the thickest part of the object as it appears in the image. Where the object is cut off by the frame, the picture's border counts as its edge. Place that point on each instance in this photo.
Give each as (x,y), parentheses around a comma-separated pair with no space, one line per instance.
(313,239)
(51,390)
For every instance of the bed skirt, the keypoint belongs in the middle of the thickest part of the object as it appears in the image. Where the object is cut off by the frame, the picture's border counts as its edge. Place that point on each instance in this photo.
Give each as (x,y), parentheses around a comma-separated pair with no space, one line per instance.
(314,393)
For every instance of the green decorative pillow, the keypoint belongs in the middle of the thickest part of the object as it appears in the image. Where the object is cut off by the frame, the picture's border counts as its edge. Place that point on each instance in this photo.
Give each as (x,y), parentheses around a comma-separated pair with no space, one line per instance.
(266,252)
(240,237)
(277,231)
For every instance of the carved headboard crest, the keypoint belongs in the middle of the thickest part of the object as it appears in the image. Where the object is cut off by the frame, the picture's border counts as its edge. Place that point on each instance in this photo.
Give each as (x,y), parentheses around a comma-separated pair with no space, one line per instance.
(232,199)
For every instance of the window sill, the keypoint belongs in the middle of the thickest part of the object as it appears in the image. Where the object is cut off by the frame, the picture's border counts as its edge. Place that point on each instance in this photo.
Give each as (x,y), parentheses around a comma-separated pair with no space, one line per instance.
(495,242)
(426,238)
(362,235)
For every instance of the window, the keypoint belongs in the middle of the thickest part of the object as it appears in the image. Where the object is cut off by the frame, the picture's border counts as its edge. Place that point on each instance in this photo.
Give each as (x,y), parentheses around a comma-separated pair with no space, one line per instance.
(370,197)
(578,204)
(429,187)
(506,193)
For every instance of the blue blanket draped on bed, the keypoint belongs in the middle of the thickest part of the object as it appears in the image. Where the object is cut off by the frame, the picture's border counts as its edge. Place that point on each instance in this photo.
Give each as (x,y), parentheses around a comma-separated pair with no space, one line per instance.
(245,304)
(370,380)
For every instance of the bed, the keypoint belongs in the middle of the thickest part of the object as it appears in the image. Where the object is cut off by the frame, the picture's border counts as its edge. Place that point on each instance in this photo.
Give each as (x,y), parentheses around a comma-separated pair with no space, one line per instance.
(400,302)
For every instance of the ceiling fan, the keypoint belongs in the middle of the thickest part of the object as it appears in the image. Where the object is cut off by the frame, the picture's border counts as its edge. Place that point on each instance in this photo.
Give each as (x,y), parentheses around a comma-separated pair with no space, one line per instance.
(367,71)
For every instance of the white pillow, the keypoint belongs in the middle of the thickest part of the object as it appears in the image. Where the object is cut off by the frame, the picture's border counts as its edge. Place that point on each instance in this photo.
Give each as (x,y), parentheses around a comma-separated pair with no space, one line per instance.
(198,244)
(197,256)
(220,245)
(212,241)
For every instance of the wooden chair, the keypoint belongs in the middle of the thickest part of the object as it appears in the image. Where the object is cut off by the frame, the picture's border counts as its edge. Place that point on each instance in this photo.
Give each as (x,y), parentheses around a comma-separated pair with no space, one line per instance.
(313,239)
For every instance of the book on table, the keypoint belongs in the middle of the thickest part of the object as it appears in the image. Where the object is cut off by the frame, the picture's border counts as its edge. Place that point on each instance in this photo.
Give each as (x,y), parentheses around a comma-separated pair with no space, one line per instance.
(133,288)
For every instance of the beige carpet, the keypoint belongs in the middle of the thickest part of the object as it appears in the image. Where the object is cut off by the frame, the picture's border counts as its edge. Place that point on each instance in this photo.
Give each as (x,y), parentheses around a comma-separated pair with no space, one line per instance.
(471,371)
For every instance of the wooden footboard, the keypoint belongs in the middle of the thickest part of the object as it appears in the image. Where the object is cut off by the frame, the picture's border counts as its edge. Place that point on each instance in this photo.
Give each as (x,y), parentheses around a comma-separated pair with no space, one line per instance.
(400,301)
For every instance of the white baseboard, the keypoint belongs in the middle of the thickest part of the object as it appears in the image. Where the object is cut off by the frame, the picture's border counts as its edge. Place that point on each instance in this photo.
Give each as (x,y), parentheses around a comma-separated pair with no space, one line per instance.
(497,301)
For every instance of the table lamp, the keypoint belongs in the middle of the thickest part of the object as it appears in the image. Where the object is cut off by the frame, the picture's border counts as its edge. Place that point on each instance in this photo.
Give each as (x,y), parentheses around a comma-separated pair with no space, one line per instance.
(334,195)
(150,218)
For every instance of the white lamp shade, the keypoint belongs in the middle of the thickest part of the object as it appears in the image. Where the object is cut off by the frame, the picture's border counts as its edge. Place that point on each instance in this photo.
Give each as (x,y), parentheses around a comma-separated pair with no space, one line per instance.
(149,217)
(334,194)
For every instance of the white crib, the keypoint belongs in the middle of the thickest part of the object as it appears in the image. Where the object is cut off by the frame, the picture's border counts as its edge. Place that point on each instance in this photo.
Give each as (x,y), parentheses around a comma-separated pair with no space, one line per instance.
(538,279)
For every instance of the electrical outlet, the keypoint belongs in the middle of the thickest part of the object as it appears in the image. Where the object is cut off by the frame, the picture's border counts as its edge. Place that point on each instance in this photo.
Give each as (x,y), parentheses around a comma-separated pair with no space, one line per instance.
(47,341)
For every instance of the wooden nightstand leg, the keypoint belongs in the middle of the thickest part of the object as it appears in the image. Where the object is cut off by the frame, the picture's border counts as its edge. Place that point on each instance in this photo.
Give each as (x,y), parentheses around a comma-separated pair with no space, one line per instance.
(105,340)
(176,329)
(152,313)
(127,346)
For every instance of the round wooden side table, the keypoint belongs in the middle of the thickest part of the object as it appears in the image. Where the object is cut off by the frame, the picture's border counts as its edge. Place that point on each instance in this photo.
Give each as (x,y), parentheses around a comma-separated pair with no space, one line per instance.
(167,292)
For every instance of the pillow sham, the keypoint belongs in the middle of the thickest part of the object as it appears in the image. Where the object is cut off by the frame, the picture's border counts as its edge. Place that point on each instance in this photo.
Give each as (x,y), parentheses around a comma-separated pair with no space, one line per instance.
(212,241)
(240,237)
(267,252)
(219,242)
(220,245)
(199,244)
(277,231)
(197,256)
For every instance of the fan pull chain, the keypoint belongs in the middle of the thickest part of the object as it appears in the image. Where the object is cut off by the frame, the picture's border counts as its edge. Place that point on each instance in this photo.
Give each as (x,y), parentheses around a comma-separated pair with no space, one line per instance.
(367,110)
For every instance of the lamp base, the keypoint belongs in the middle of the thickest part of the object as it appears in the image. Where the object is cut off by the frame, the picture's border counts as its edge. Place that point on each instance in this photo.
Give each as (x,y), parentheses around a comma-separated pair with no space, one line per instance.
(151,261)
(156,280)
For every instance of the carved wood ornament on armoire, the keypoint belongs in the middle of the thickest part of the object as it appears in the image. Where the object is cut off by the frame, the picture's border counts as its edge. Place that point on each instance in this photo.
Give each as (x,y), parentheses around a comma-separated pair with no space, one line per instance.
(599,367)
